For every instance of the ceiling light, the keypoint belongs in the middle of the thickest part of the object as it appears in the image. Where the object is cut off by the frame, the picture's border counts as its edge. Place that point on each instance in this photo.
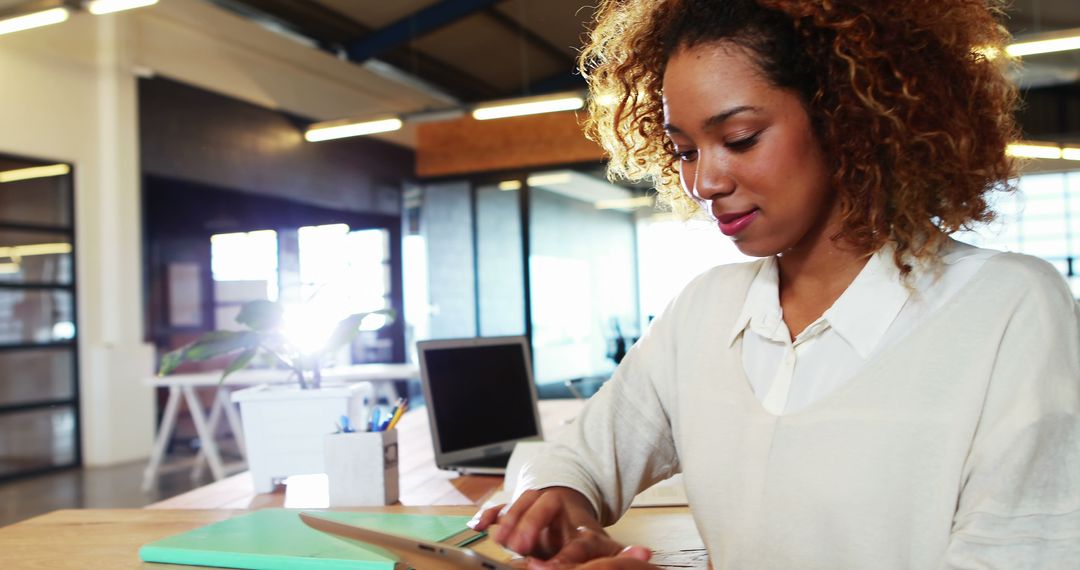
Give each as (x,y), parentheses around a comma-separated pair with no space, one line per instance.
(1070,153)
(34,20)
(510,185)
(1051,45)
(9,268)
(339,130)
(549,105)
(20,251)
(624,203)
(99,7)
(1033,151)
(34,172)
(549,178)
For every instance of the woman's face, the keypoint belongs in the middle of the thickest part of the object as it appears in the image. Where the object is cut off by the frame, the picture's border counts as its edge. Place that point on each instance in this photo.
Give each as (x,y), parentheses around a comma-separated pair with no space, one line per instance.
(747,152)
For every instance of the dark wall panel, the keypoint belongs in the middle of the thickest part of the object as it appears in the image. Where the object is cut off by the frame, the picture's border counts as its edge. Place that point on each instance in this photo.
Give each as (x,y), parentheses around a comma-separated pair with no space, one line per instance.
(190,134)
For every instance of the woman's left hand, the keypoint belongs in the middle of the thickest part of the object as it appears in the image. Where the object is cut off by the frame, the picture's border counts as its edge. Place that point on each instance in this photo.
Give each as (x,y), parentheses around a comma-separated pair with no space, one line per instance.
(598,551)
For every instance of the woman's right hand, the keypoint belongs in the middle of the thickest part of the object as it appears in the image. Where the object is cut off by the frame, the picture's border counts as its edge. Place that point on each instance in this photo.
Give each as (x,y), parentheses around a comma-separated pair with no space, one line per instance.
(553,523)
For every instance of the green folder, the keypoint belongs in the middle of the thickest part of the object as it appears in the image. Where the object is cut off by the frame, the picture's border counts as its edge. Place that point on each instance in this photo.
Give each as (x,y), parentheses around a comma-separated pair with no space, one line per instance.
(276,539)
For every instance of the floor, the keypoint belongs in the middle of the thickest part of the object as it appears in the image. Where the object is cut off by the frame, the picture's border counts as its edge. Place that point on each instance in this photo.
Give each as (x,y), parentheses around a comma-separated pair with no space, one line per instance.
(118,486)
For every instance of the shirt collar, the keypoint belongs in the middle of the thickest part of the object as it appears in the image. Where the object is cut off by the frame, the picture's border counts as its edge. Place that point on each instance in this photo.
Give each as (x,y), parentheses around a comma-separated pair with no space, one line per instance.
(762,299)
(861,315)
(868,307)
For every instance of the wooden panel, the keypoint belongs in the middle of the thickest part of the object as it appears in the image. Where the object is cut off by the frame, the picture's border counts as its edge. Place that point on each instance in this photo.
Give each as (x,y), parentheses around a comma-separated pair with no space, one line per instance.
(110,538)
(467,146)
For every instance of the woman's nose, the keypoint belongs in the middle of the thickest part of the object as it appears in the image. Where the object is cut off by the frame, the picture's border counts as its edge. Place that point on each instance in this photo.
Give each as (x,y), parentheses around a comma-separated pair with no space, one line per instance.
(712,180)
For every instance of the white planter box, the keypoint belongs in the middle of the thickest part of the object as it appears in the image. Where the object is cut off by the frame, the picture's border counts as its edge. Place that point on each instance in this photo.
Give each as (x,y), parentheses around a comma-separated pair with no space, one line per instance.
(284,427)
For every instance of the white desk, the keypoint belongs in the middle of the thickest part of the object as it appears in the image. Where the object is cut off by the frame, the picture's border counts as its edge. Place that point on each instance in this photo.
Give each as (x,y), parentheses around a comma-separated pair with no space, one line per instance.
(183,386)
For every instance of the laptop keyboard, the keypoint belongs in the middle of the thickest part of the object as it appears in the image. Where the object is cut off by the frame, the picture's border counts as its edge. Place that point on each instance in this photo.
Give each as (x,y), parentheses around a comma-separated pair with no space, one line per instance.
(489,461)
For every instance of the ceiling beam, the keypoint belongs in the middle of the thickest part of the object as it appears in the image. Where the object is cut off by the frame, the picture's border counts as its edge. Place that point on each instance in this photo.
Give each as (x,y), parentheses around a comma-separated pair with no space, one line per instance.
(413,26)
(539,42)
(332,31)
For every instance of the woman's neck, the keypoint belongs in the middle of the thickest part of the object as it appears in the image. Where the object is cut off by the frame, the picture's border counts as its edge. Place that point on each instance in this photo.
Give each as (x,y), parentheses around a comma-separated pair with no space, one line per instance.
(812,279)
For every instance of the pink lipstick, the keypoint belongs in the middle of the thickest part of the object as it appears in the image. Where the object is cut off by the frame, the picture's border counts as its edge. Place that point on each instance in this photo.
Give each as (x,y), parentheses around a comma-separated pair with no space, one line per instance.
(731,224)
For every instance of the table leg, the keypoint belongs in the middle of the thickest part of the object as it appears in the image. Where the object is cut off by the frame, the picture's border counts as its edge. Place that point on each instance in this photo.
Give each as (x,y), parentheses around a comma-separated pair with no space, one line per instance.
(233,417)
(206,436)
(161,442)
(211,424)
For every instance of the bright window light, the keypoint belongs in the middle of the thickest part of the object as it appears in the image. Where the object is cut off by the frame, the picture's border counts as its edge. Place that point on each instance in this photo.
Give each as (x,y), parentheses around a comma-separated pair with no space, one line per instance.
(35,20)
(250,257)
(99,7)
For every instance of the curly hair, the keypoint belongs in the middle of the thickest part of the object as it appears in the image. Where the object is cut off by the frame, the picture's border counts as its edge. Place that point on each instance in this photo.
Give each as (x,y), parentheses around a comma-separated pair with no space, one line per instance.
(911,111)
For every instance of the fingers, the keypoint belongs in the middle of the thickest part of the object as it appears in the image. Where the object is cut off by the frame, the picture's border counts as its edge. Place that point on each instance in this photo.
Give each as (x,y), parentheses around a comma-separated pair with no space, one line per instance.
(629,558)
(587,544)
(485,518)
(523,524)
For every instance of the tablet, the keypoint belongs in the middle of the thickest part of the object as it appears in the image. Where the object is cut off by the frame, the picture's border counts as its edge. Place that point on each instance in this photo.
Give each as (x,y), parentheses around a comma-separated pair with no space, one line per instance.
(419,554)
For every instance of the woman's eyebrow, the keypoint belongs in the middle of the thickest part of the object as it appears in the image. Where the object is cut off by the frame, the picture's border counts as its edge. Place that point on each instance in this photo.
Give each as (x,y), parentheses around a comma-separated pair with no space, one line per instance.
(716,119)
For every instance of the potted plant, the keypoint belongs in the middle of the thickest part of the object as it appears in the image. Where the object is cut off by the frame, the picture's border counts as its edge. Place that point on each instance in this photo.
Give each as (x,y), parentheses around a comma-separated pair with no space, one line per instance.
(283,424)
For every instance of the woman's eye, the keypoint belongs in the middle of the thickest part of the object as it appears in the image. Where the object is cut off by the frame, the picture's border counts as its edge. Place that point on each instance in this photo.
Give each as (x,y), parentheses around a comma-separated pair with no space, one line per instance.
(743,143)
(686,155)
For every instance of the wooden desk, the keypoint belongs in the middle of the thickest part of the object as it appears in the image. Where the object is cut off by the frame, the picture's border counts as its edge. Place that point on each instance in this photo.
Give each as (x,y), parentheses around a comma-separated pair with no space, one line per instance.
(420,484)
(110,538)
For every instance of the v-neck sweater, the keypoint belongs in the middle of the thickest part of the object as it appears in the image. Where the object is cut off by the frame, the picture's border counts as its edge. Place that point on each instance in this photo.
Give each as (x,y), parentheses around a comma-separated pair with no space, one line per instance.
(957,447)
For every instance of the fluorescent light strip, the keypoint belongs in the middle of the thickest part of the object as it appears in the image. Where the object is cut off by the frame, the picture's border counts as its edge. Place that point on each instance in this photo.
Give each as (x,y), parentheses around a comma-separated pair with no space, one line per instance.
(8,268)
(34,172)
(1033,151)
(318,133)
(34,20)
(548,179)
(624,203)
(1070,153)
(532,108)
(1043,46)
(510,185)
(99,7)
(17,251)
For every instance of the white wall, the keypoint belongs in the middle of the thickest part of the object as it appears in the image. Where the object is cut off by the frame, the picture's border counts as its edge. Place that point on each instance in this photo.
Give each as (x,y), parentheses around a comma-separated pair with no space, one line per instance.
(68,93)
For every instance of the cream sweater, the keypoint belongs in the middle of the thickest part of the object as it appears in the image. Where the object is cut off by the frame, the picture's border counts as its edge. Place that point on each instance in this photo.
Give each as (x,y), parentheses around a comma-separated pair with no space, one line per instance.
(958,447)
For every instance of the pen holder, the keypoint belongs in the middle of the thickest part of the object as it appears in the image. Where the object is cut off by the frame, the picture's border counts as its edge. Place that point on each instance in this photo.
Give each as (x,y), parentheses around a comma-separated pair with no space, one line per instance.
(362,468)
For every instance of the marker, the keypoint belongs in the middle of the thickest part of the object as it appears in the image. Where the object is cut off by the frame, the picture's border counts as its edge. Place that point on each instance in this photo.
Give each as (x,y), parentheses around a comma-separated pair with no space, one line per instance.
(375,420)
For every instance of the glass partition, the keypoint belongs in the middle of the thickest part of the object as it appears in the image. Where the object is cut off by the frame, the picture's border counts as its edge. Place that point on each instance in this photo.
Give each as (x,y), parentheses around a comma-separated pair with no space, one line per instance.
(38,353)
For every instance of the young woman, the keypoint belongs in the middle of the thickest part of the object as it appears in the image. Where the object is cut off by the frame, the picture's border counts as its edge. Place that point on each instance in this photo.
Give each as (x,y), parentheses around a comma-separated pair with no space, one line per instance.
(871,393)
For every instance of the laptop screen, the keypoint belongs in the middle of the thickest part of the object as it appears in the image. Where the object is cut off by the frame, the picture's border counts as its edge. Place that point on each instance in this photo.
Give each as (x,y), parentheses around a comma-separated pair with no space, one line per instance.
(480,395)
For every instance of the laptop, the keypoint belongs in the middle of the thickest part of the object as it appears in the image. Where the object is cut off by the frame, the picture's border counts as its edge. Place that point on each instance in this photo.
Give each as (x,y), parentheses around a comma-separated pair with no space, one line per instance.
(481,401)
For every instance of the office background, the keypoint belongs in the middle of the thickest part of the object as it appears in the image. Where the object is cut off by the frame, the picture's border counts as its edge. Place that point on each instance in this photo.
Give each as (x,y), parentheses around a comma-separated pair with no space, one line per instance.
(190,189)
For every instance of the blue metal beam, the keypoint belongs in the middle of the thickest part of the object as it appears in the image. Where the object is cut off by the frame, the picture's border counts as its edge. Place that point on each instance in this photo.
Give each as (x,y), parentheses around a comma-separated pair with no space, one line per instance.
(415,25)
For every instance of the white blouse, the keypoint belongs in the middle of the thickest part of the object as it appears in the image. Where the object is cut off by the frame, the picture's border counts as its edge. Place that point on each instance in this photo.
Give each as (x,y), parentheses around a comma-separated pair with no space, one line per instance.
(875,311)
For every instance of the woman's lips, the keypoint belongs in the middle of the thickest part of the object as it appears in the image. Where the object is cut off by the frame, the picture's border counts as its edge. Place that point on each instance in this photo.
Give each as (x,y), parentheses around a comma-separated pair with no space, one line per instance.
(731,224)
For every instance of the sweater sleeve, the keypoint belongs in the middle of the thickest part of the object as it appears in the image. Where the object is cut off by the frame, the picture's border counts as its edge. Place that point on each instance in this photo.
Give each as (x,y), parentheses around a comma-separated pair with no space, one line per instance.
(622,442)
(1019,505)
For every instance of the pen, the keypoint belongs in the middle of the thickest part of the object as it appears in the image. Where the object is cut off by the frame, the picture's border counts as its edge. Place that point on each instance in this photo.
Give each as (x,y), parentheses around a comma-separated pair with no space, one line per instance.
(345,427)
(375,420)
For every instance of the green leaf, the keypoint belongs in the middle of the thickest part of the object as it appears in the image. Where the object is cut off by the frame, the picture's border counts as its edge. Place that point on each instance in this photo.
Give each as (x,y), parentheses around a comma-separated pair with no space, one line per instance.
(347,329)
(261,315)
(239,363)
(217,343)
(171,360)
